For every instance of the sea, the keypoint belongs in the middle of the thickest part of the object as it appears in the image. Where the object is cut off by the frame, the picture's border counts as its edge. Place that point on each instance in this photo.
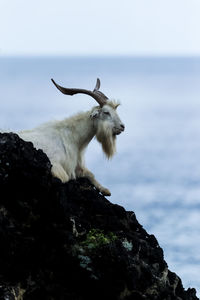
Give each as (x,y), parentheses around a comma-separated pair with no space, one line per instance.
(156,170)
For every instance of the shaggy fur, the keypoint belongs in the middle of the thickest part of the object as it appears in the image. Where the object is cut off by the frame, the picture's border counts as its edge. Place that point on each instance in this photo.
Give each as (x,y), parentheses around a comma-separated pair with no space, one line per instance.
(106,138)
(65,141)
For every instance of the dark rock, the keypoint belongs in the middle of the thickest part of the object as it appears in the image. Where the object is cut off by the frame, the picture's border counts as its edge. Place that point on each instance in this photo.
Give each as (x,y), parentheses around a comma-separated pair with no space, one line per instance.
(66,241)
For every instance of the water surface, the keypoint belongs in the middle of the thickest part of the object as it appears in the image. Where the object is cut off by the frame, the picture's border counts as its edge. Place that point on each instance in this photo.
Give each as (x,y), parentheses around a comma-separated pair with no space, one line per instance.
(156,172)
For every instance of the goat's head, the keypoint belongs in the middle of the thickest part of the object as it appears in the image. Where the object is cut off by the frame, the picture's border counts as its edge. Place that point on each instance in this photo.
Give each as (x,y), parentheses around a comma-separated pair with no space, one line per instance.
(104,116)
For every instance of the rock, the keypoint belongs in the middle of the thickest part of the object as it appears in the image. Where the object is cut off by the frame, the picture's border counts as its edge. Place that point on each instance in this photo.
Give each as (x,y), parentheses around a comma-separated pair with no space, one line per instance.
(67,241)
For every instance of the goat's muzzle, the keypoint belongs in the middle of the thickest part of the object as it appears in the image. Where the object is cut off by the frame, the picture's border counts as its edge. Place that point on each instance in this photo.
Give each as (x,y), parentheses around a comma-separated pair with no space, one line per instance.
(118,130)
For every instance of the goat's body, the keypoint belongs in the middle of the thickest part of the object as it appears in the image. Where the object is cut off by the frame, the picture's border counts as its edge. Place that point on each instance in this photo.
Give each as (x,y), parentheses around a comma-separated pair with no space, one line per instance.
(59,140)
(64,143)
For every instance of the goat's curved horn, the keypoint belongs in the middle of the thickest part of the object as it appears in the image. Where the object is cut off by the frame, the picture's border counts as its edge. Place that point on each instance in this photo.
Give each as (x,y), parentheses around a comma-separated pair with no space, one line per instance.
(96,94)
(97,86)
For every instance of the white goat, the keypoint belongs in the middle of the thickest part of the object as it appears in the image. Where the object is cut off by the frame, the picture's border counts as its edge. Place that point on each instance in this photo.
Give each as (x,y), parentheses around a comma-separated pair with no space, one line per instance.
(65,141)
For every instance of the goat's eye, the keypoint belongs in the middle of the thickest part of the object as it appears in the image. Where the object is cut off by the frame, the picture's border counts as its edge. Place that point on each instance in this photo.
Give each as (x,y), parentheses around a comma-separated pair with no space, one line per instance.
(106,113)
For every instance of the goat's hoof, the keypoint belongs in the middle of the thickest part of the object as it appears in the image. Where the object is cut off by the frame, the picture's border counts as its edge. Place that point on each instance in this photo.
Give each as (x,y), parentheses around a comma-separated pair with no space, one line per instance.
(106,192)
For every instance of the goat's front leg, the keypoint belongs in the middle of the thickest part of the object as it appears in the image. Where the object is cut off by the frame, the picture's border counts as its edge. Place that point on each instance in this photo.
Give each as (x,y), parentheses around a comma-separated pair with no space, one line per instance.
(84,172)
(58,171)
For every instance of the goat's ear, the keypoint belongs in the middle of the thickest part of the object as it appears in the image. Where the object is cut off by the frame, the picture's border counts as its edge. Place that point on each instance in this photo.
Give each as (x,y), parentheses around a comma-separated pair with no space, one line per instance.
(95,113)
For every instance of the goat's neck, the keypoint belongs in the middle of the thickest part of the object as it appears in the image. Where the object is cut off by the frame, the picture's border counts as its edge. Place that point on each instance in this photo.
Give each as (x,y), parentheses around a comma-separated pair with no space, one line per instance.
(82,128)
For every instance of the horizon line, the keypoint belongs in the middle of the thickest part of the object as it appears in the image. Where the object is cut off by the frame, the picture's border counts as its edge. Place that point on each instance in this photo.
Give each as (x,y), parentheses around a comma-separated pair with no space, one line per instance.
(98,56)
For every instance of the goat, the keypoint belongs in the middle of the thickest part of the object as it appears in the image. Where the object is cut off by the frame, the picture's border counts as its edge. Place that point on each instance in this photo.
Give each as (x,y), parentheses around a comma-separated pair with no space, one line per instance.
(65,141)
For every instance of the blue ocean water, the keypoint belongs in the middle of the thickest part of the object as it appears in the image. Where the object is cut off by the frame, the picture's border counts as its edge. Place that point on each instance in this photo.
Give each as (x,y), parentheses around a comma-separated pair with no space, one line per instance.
(156,171)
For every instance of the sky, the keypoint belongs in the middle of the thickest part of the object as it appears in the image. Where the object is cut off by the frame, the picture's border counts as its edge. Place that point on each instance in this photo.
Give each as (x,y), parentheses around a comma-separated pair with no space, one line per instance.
(90,27)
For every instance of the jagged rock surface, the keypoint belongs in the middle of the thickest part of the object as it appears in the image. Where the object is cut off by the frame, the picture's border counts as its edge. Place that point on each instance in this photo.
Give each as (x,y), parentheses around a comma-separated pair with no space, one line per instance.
(66,241)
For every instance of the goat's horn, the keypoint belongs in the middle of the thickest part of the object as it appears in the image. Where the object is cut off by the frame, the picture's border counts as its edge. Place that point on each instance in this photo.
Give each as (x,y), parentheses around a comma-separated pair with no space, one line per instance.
(97,87)
(96,94)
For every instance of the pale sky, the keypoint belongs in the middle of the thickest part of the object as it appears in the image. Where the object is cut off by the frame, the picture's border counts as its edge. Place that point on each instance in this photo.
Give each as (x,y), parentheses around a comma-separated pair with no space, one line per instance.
(105,27)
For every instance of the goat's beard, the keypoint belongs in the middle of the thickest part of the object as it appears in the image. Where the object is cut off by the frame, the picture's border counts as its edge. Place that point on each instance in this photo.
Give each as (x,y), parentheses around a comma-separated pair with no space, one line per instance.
(106,138)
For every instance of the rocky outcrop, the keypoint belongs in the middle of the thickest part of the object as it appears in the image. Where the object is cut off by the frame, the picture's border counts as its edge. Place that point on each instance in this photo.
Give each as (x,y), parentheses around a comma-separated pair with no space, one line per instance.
(66,241)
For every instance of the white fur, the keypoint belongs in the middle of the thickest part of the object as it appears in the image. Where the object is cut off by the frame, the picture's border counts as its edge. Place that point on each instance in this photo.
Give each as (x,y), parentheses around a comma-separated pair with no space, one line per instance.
(65,141)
